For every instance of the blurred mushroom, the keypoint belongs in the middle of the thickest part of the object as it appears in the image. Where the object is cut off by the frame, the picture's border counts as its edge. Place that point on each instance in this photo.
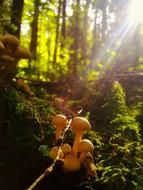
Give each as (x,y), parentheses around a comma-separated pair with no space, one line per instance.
(10,39)
(59,121)
(79,125)
(21,52)
(71,163)
(56,152)
(84,147)
(89,165)
(66,148)
(7,58)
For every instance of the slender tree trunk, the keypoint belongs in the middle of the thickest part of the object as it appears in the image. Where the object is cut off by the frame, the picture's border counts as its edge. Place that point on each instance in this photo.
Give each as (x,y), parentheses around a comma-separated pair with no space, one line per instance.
(74,48)
(84,44)
(63,29)
(57,34)
(16,15)
(34,30)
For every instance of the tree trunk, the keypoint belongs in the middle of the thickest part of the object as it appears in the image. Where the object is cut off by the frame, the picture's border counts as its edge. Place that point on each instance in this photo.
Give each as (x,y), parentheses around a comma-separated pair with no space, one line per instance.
(57,34)
(16,15)
(63,29)
(74,48)
(34,30)
(84,45)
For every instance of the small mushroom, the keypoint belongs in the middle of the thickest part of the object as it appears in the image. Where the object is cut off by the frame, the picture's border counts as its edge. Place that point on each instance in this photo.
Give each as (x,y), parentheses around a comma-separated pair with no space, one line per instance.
(71,163)
(66,148)
(59,122)
(10,40)
(84,147)
(21,52)
(56,152)
(89,165)
(79,125)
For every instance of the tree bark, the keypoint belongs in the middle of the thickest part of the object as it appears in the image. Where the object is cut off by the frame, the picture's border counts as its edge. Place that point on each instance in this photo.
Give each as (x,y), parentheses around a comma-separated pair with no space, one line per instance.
(63,29)
(57,34)
(16,15)
(84,44)
(74,48)
(34,30)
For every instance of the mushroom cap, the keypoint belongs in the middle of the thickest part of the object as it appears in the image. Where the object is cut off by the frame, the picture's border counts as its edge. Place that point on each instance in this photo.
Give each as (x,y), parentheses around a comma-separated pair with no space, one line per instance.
(54,153)
(85,146)
(66,148)
(71,163)
(10,39)
(80,124)
(7,58)
(59,121)
(21,52)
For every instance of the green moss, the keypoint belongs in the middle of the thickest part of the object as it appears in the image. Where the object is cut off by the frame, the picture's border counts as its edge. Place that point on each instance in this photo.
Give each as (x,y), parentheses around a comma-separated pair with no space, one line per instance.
(25,125)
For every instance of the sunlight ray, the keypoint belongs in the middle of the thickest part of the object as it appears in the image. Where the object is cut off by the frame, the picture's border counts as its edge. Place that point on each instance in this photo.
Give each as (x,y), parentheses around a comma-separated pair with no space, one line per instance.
(123,33)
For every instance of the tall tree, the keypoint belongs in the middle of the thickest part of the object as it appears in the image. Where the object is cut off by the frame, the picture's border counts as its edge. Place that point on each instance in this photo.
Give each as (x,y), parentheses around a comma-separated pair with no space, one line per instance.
(16,15)
(75,33)
(57,33)
(34,30)
(63,28)
(84,46)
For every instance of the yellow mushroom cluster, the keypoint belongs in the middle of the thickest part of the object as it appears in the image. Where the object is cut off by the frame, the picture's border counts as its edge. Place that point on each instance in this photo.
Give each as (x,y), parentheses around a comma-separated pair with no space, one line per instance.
(11,52)
(81,151)
(10,49)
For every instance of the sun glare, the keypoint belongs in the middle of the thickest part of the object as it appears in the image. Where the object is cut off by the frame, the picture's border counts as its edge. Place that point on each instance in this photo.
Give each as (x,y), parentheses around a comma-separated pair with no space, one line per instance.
(136,11)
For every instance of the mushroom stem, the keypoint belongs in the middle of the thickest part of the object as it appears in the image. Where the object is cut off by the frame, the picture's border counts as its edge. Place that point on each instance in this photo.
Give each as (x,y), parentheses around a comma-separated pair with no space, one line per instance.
(92,170)
(58,133)
(71,163)
(82,156)
(89,165)
(78,137)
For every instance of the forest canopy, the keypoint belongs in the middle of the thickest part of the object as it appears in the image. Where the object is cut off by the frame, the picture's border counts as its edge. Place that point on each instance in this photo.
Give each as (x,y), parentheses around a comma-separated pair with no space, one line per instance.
(76,39)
